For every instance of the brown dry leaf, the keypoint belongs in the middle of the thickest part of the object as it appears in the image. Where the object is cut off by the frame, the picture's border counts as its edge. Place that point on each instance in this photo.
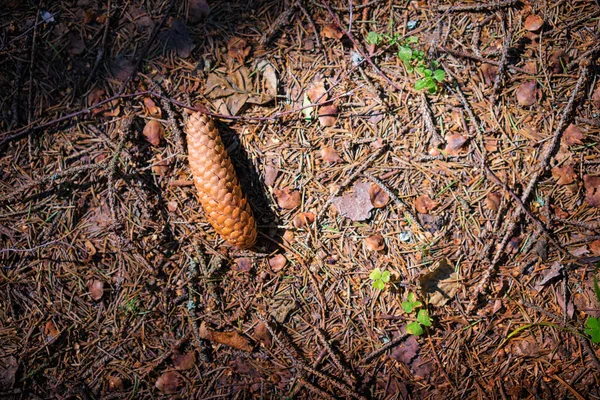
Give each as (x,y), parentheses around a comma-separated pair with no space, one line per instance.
(91,251)
(316,90)
(177,38)
(527,93)
(185,361)
(374,243)
(198,10)
(328,115)
(454,143)
(269,83)
(154,132)
(160,167)
(172,206)
(238,49)
(288,198)
(122,68)
(424,204)
(406,351)
(96,289)
(356,205)
(303,219)
(242,264)
(564,175)
(231,339)
(169,382)
(51,333)
(592,190)
(514,244)
(493,200)
(596,97)
(379,197)
(329,154)
(595,246)
(8,370)
(573,135)
(489,72)
(332,31)
(277,263)
(115,384)
(533,23)
(440,285)
(262,334)
(111,109)
(270,174)
(558,60)
(94,97)
(549,274)
(151,108)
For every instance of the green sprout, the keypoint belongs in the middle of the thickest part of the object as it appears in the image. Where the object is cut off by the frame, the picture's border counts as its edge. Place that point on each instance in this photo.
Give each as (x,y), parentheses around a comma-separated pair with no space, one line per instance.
(422,317)
(593,324)
(379,278)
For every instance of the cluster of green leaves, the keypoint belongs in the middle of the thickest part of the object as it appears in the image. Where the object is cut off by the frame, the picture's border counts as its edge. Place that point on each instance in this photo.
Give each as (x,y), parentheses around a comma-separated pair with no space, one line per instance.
(422,316)
(593,324)
(413,60)
(379,278)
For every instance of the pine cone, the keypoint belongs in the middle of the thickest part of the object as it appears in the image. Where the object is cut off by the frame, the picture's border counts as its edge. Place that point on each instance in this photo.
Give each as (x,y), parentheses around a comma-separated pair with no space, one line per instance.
(219,190)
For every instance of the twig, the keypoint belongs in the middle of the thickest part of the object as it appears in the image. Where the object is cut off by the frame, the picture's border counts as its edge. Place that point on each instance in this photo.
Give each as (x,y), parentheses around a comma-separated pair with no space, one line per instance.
(112,167)
(321,394)
(386,347)
(491,6)
(350,380)
(462,54)
(502,66)
(279,22)
(102,47)
(435,138)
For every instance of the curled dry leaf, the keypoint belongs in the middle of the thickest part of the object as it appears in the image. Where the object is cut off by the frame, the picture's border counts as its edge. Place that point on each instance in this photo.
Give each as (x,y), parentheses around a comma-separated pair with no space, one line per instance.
(424,204)
(303,219)
(356,205)
(573,135)
(489,72)
(242,264)
(328,115)
(185,361)
(332,31)
(533,23)
(514,244)
(198,10)
(564,175)
(592,190)
(379,197)
(169,382)
(91,251)
(374,243)
(558,60)
(96,289)
(287,198)
(454,143)
(595,247)
(154,132)
(151,108)
(115,384)
(51,333)
(329,154)
(231,339)
(262,334)
(238,49)
(492,200)
(277,263)
(527,93)
(94,97)
(596,97)
(176,38)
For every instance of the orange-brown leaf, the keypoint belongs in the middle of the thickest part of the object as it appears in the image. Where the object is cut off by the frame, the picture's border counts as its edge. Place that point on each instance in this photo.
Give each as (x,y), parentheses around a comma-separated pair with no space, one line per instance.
(329,154)
(238,49)
(231,339)
(332,31)
(564,175)
(303,219)
(288,198)
(424,204)
(374,243)
(592,190)
(169,382)
(533,23)
(277,263)
(573,135)
(379,197)
(328,115)
(154,132)
(527,93)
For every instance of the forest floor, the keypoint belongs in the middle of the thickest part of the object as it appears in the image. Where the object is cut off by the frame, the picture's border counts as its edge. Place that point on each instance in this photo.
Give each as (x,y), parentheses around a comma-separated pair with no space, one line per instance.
(425,178)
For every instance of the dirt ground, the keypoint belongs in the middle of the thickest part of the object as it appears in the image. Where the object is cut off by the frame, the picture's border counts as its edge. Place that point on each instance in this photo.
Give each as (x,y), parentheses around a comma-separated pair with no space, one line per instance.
(424,176)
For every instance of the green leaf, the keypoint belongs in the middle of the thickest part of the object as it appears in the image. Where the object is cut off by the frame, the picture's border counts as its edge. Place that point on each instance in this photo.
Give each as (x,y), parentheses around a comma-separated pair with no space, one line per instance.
(410,69)
(439,75)
(308,111)
(592,323)
(405,54)
(427,72)
(420,84)
(596,288)
(374,38)
(407,306)
(593,329)
(414,328)
(433,90)
(412,39)
(375,274)
(411,297)
(420,69)
(385,276)
(423,318)
(378,284)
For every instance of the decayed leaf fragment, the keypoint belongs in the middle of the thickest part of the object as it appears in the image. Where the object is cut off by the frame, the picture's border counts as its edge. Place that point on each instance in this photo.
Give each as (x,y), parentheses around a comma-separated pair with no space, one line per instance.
(439,285)
(592,190)
(169,382)
(424,204)
(288,198)
(564,175)
(356,205)
(231,339)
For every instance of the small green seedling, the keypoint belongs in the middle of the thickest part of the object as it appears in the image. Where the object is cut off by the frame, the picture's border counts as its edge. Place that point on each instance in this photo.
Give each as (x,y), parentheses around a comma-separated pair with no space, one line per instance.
(422,318)
(593,324)
(429,79)
(379,278)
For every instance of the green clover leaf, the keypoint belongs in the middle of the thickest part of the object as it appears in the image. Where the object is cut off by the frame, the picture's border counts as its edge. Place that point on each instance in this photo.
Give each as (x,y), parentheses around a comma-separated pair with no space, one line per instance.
(414,328)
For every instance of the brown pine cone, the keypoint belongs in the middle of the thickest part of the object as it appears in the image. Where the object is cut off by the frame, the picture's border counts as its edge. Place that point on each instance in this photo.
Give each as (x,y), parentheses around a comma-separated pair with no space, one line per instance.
(219,190)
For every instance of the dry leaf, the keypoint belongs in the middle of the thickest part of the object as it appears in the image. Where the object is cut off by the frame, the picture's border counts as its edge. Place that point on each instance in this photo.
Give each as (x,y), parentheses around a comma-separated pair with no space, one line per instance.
(514,244)
(329,154)
(198,10)
(262,334)
(316,90)
(270,174)
(328,115)
(493,200)
(406,351)
(169,382)
(424,204)
(332,31)
(151,108)
(185,361)
(356,205)
(96,289)
(270,83)
(287,198)
(177,38)
(379,197)
(527,93)
(533,23)
(91,251)
(160,167)
(374,243)
(277,263)
(172,206)
(596,97)
(440,284)
(115,384)
(454,143)
(8,370)
(573,135)
(558,59)
(303,219)
(549,274)
(94,97)
(592,190)
(242,264)
(50,332)
(489,72)
(595,246)
(154,132)
(231,339)
(564,175)
(238,49)
(122,68)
